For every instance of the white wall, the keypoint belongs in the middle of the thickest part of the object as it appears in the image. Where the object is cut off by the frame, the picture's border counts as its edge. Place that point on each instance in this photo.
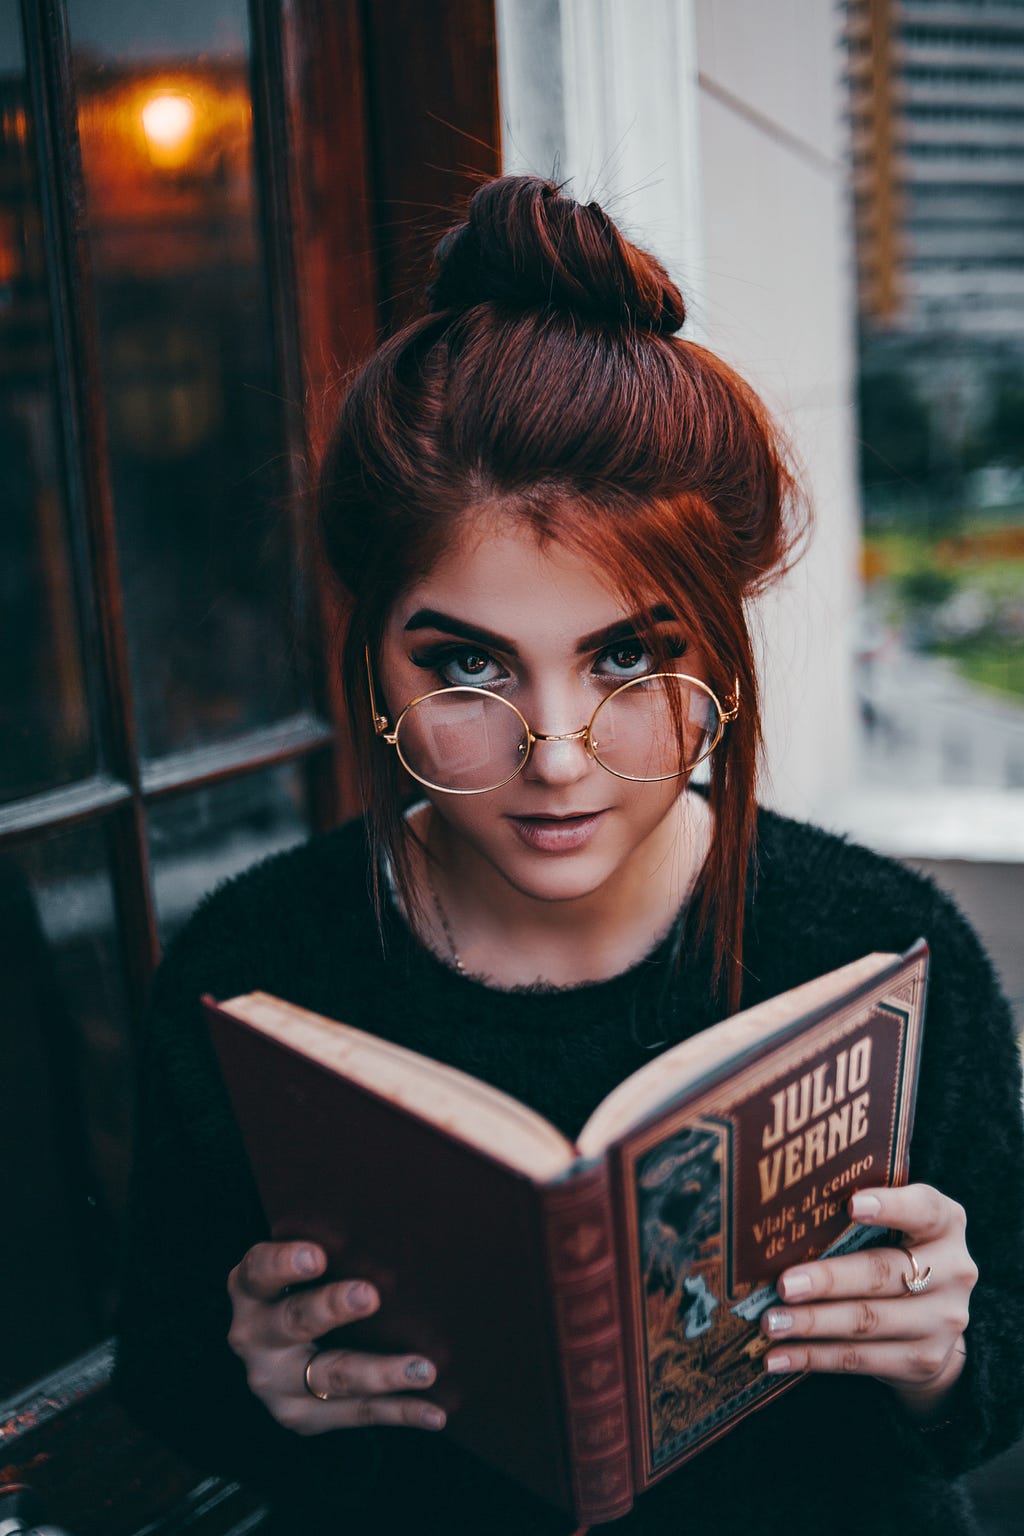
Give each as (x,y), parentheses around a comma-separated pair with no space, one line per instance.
(777,301)
(712,130)
(590,95)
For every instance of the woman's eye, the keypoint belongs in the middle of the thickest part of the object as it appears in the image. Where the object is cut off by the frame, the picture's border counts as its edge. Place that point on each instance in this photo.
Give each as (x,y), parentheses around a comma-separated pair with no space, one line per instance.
(471,667)
(459,668)
(632,658)
(628,658)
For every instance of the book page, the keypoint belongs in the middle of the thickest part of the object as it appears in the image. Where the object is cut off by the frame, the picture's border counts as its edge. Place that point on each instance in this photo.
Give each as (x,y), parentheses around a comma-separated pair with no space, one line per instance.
(658,1081)
(454,1101)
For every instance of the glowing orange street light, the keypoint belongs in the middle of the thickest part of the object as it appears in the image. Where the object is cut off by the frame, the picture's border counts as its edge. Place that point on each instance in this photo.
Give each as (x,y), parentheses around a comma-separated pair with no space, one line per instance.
(168,121)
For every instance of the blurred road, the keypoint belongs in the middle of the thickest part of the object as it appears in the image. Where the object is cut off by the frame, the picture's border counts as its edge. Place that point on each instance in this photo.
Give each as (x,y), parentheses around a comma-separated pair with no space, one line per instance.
(924,725)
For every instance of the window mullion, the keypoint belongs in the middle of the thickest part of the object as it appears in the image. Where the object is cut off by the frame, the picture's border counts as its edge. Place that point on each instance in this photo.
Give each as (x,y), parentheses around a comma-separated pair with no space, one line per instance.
(322,239)
(89,499)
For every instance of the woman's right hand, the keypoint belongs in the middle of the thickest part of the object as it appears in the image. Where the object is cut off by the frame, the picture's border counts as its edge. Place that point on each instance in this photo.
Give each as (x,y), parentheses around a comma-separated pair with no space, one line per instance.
(273,1331)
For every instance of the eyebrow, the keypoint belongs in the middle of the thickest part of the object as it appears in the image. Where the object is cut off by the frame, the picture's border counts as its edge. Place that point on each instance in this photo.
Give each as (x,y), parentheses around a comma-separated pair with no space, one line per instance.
(622,629)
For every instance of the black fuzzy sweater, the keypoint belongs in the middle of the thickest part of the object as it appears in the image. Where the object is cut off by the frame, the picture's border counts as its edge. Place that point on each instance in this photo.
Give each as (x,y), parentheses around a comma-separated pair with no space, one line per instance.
(836,1453)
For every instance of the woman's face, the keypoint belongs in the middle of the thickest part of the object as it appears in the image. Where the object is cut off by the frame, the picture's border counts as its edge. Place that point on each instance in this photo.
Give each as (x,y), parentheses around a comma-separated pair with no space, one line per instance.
(540,625)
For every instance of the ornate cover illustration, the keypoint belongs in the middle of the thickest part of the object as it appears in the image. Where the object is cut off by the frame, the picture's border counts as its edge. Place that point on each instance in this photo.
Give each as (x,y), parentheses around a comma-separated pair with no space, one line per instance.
(751,1175)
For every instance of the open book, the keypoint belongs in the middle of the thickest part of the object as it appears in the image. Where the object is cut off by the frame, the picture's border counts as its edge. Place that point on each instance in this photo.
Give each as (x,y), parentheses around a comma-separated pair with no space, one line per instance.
(592,1308)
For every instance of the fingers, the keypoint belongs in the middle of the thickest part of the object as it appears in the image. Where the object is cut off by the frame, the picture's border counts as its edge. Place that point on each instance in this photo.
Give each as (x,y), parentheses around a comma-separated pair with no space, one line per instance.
(345,1373)
(268,1268)
(268,1318)
(307,1315)
(855,1313)
(917,1209)
(902,1361)
(875,1274)
(273,1328)
(350,1390)
(854,1321)
(313,1418)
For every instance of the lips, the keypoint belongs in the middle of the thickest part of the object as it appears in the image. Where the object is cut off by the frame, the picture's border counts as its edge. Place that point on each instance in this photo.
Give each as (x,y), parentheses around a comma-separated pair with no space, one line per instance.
(557,834)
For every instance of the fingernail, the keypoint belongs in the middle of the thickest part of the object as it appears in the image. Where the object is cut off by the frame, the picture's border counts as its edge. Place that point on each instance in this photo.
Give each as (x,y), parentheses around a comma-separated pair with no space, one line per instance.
(359,1296)
(419,1370)
(864,1205)
(433,1418)
(305,1261)
(797,1283)
(777,1363)
(779,1322)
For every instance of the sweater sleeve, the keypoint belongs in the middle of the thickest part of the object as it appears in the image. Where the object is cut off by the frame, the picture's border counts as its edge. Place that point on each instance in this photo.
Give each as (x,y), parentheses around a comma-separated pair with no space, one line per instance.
(193,1213)
(969,1143)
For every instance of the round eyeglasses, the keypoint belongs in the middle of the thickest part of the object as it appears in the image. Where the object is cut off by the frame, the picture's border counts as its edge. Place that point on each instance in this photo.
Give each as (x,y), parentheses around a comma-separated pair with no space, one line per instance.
(466,741)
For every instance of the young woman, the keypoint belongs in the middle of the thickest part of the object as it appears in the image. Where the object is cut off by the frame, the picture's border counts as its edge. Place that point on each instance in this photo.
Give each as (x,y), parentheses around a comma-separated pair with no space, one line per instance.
(547,512)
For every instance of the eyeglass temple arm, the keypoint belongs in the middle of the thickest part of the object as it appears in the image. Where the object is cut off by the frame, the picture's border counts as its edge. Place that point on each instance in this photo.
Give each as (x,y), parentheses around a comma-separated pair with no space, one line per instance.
(732,702)
(380,722)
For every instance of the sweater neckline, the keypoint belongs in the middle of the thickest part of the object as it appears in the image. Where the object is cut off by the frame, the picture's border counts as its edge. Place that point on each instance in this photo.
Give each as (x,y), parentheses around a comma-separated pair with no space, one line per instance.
(427,961)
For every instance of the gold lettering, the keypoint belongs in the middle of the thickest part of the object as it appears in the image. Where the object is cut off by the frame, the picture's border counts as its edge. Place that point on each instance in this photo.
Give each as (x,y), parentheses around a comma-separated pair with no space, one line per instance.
(773,1134)
(859,1117)
(794,1167)
(768,1168)
(797,1115)
(821,1099)
(838,1131)
(814,1146)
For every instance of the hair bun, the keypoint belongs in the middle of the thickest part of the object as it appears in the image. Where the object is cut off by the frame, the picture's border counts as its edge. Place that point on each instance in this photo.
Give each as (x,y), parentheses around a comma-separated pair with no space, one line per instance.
(526,246)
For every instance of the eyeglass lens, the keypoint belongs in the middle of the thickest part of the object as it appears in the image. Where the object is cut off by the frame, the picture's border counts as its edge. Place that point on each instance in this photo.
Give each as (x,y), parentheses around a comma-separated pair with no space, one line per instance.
(654,728)
(470,740)
(463,739)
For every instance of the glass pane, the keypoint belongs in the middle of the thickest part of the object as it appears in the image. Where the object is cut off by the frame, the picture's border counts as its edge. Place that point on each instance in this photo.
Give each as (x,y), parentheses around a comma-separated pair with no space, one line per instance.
(204,836)
(64,1050)
(195,417)
(44,712)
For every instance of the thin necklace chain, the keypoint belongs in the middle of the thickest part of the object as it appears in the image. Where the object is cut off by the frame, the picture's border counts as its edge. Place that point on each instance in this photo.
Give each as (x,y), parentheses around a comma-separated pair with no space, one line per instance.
(446,926)
(456,958)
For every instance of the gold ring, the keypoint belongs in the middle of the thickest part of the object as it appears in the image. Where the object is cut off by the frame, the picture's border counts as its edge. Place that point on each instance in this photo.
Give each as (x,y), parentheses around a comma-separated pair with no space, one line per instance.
(321,1397)
(915,1282)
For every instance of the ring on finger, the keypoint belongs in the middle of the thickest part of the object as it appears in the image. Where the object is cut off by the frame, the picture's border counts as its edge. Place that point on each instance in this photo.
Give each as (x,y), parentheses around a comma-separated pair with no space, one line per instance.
(915,1282)
(322,1397)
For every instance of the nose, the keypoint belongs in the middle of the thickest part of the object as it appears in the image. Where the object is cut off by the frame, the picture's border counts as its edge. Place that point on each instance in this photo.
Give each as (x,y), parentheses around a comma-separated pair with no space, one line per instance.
(558,759)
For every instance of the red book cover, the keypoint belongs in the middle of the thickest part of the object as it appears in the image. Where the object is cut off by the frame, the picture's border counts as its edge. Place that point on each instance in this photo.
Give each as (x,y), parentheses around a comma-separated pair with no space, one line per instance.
(592,1309)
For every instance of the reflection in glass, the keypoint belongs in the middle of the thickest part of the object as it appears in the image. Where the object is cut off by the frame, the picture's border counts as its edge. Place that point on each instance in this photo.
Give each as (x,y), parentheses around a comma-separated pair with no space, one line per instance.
(63,1043)
(195,416)
(204,836)
(44,710)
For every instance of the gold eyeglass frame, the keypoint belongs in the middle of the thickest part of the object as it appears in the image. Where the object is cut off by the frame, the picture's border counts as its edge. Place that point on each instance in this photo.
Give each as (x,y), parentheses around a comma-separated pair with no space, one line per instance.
(384,731)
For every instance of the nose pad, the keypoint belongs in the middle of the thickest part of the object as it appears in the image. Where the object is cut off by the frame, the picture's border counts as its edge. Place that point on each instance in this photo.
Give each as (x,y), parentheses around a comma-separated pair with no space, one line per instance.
(558,760)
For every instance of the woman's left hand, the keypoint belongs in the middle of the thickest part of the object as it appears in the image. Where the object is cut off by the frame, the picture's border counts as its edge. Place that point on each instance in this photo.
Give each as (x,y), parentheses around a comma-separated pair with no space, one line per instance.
(854,1314)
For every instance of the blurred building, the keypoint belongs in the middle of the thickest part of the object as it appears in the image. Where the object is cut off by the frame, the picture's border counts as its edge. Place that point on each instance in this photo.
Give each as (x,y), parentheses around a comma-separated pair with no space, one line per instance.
(937,120)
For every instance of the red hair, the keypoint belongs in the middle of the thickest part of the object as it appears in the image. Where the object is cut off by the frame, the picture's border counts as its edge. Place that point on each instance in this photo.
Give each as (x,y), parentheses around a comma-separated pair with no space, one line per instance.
(547,383)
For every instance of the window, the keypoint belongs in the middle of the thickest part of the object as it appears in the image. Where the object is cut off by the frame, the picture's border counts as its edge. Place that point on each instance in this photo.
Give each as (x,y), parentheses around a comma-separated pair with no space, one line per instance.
(163,714)
(191,253)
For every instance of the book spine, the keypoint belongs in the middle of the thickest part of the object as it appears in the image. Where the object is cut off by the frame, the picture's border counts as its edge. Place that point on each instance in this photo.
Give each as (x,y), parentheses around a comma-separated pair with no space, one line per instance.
(588,1328)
